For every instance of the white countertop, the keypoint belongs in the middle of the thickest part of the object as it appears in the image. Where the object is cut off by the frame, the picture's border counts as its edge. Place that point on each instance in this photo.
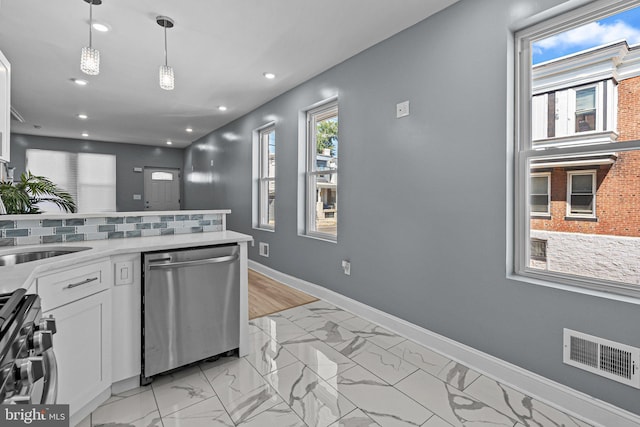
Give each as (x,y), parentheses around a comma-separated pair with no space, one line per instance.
(109,214)
(21,275)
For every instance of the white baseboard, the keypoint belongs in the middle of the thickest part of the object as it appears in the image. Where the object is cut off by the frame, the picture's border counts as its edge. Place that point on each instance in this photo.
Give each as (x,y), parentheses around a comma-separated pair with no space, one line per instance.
(87,409)
(125,385)
(554,394)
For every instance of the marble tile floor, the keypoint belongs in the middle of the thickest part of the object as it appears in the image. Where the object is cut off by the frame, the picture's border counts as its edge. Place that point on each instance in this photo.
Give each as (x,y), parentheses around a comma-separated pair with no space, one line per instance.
(317,365)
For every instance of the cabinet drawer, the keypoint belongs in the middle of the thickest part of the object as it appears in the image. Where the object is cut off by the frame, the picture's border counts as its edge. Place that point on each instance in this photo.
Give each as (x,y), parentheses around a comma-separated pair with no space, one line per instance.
(74,283)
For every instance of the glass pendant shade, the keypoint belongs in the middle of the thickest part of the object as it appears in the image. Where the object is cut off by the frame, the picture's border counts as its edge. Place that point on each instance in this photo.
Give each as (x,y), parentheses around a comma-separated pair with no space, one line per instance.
(167,80)
(90,61)
(166,77)
(90,57)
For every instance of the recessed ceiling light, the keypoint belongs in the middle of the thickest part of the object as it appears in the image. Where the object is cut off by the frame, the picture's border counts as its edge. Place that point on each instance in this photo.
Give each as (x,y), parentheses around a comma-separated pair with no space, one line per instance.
(80,82)
(83,116)
(269,76)
(222,108)
(98,26)
(169,142)
(85,134)
(189,130)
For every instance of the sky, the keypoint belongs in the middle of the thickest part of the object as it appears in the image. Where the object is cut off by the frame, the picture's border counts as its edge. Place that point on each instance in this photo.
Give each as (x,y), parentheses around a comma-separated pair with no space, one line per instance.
(625,25)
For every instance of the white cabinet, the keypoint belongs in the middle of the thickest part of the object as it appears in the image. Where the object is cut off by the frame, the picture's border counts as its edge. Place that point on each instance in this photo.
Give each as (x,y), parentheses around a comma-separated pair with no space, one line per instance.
(5,107)
(79,299)
(79,345)
(126,326)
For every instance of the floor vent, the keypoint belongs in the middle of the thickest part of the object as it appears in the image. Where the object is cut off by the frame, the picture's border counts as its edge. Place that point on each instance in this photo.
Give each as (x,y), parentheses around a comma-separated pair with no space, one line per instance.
(618,362)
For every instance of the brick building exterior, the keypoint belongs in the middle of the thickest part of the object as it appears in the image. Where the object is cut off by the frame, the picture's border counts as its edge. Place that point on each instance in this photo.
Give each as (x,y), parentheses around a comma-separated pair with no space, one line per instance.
(611,205)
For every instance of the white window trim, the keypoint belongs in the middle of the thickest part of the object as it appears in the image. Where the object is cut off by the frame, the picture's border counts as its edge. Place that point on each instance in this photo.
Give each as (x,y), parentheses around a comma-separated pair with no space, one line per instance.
(256,167)
(264,180)
(546,214)
(570,174)
(519,250)
(306,169)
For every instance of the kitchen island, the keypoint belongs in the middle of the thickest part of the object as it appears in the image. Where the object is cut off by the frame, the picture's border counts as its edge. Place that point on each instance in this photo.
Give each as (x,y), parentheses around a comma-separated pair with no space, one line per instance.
(99,322)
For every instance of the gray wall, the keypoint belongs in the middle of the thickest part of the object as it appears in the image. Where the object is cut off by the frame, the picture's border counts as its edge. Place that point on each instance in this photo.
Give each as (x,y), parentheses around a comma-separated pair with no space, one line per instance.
(128,156)
(423,199)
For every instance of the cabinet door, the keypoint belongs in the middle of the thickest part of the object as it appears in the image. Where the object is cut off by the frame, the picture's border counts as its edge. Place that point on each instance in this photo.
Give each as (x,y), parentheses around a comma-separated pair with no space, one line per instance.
(82,346)
(5,107)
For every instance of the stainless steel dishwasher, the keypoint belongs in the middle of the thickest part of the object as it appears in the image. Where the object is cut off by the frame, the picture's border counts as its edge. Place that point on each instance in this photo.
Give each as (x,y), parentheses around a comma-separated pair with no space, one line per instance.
(190,306)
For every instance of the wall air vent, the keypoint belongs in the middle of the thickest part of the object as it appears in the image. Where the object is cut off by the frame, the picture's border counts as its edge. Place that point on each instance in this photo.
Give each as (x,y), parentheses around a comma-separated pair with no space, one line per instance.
(618,362)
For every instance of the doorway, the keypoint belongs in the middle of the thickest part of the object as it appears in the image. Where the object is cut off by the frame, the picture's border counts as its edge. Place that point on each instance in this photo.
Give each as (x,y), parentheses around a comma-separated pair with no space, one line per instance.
(161,189)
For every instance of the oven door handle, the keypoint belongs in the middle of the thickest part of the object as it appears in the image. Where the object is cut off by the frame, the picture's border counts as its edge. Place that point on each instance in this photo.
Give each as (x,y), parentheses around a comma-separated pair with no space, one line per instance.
(50,391)
(216,260)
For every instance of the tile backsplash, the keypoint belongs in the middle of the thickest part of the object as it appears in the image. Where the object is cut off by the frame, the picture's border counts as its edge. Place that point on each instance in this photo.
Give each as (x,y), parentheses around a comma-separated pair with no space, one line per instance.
(34,231)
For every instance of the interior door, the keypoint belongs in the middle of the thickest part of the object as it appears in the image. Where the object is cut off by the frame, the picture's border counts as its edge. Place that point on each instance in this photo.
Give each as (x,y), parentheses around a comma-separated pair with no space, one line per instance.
(161,189)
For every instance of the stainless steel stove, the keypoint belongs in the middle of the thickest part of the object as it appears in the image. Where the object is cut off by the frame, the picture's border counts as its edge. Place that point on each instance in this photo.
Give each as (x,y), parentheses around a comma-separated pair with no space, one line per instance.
(27,363)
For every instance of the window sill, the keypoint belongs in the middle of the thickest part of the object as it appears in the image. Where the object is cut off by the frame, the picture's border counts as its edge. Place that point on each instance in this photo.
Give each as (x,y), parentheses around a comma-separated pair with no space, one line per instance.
(581,218)
(625,295)
(540,216)
(317,237)
(270,230)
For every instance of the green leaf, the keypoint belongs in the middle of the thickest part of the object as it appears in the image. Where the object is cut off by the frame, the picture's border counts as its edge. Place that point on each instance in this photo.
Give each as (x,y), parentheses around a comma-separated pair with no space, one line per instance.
(22,196)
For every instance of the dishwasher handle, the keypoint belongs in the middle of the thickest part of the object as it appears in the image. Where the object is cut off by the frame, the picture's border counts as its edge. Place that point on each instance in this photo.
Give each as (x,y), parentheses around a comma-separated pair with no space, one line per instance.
(217,260)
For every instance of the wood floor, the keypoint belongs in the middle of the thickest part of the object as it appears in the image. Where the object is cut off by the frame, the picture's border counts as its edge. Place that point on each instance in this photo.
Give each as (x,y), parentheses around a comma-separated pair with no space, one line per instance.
(267,296)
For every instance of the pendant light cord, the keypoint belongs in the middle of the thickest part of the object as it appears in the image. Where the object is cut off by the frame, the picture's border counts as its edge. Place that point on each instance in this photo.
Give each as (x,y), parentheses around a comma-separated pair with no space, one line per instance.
(90,20)
(165,44)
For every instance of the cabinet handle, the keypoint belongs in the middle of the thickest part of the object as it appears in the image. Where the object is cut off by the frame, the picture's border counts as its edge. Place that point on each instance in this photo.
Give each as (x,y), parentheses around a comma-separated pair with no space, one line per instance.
(84,282)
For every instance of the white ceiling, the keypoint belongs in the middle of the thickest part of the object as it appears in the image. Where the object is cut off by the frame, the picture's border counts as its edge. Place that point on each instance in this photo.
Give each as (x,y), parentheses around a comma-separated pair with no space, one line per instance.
(218,49)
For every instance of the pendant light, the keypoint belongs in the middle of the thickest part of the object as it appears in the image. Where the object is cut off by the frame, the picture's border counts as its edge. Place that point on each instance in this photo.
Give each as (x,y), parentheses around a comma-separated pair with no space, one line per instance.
(90,58)
(166,72)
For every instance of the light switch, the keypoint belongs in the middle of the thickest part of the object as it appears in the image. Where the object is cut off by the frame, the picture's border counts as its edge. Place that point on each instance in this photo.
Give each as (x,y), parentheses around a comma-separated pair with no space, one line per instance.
(137,197)
(124,273)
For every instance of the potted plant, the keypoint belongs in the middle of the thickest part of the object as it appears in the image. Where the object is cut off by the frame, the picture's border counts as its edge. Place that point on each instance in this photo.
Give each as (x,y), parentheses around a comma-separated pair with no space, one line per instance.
(22,196)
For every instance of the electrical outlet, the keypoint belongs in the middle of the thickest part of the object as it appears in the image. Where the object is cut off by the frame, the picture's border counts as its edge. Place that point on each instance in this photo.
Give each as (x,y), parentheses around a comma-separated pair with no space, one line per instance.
(402,109)
(263,249)
(346,267)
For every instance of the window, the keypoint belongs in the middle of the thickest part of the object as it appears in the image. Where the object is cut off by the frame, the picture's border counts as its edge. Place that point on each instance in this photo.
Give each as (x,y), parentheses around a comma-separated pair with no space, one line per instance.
(161,176)
(573,112)
(585,115)
(89,178)
(267,180)
(539,250)
(581,194)
(540,190)
(576,129)
(322,171)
